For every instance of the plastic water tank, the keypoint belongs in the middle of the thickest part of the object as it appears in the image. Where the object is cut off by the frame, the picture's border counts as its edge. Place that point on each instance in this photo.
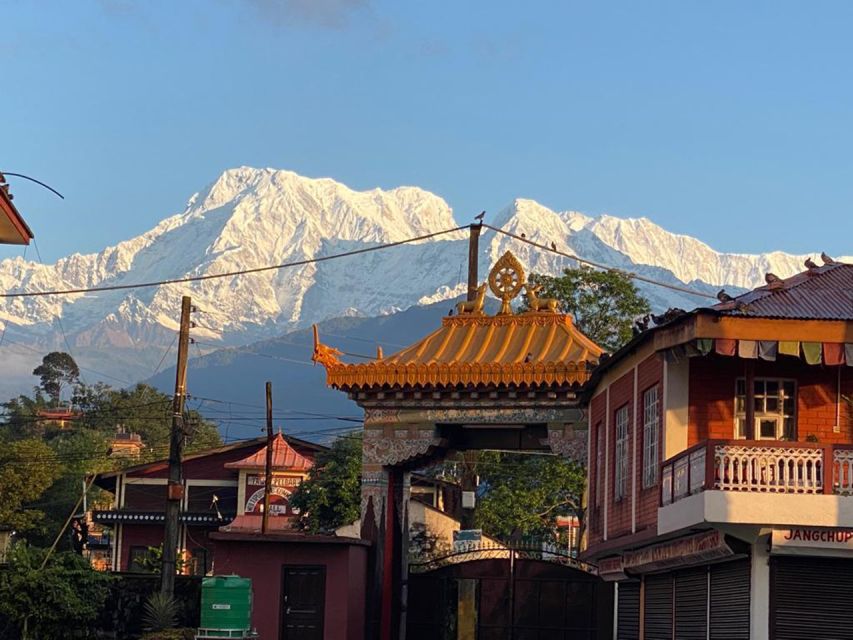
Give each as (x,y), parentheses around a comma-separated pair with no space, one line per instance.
(226,606)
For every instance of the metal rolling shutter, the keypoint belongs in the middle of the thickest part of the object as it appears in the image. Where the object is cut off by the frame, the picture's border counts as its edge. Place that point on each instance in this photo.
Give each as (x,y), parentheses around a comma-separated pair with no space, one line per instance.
(657,617)
(810,597)
(691,604)
(628,614)
(730,600)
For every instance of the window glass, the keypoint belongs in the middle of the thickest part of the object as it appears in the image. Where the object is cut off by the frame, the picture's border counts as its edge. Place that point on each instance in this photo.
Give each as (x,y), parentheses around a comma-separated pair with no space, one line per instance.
(774,406)
(620,485)
(651,437)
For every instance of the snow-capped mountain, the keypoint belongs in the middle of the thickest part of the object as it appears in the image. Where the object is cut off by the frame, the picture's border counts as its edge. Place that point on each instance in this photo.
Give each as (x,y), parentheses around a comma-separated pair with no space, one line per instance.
(256,217)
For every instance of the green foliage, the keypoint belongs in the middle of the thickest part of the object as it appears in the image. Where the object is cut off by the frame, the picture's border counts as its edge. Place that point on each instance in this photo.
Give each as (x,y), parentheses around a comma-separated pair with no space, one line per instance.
(57,371)
(27,469)
(525,493)
(144,410)
(152,561)
(122,614)
(62,600)
(331,496)
(604,304)
(161,611)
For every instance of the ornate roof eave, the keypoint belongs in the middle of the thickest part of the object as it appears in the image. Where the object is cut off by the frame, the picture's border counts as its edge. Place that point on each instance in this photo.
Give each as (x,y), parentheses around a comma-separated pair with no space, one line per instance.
(378,375)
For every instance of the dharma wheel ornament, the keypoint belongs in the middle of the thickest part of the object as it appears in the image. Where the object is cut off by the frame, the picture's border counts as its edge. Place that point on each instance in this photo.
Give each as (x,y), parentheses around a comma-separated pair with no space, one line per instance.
(506,280)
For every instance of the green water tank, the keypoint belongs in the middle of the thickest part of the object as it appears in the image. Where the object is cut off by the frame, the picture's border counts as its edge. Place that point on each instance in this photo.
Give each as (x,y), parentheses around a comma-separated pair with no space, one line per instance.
(226,605)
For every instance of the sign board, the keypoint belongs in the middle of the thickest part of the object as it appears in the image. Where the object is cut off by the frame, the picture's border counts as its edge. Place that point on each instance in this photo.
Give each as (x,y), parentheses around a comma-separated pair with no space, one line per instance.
(468,535)
(466,539)
(282,487)
(812,541)
(697,549)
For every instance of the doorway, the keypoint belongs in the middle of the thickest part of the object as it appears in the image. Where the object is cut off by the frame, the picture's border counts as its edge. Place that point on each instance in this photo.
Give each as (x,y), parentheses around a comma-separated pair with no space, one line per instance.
(303,596)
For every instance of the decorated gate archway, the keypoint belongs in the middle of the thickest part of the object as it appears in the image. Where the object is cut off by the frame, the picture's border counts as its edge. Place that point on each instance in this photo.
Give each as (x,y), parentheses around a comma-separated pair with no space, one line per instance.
(506,381)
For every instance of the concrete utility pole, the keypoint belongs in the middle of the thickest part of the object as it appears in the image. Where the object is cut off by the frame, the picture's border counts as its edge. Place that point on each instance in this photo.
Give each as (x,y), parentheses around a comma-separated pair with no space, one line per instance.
(175,492)
(268,463)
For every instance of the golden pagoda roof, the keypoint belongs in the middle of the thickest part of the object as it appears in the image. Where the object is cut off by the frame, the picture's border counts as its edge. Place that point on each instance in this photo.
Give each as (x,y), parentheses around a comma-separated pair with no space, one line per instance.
(538,347)
(532,348)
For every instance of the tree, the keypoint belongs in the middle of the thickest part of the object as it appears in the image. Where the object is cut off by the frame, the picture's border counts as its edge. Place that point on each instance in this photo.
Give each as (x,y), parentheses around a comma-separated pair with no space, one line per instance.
(27,469)
(524,494)
(62,600)
(57,370)
(331,496)
(604,304)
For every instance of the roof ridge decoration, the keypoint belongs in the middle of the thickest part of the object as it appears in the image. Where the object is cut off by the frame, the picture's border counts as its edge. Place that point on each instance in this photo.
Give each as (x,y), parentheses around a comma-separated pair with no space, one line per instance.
(506,280)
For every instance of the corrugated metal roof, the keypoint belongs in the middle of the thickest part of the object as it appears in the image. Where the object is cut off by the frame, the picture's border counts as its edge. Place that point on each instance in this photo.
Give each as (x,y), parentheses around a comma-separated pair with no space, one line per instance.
(823,293)
(526,348)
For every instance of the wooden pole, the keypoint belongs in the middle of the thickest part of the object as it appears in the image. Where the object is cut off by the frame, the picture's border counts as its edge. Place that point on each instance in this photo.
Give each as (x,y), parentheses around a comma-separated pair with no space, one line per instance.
(175,488)
(473,256)
(268,463)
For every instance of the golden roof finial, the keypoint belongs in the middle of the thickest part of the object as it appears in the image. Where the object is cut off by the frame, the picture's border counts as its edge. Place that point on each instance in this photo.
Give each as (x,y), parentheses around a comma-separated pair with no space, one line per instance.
(506,280)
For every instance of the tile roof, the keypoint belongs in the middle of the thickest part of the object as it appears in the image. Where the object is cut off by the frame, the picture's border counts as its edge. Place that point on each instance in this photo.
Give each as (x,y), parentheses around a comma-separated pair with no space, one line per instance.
(526,348)
(822,293)
(284,457)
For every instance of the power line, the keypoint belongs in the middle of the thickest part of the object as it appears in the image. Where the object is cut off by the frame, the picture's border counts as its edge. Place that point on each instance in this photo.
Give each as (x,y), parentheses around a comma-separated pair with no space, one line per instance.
(229,274)
(598,265)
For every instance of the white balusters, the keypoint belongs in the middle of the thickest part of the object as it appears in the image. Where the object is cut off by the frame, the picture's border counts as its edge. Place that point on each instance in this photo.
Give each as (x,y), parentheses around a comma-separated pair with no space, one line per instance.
(842,463)
(770,469)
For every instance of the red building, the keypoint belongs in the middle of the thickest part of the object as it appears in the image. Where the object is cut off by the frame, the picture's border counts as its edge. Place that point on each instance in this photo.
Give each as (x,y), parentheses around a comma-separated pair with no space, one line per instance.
(721,467)
(215,493)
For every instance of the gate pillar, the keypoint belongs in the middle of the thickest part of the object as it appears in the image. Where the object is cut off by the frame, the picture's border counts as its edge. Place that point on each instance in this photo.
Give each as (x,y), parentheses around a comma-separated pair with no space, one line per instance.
(385,490)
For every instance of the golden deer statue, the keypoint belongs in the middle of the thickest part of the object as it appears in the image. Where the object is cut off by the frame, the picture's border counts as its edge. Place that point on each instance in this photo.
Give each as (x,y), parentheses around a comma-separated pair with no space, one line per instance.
(475,305)
(535,302)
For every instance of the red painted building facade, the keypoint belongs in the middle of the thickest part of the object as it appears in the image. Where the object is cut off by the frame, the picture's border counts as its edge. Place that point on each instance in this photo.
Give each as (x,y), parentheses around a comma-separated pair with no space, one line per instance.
(212,499)
(721,466)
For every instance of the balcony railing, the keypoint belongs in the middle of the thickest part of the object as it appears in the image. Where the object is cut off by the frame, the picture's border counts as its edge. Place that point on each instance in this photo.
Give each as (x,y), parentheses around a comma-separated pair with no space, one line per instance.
(758,466)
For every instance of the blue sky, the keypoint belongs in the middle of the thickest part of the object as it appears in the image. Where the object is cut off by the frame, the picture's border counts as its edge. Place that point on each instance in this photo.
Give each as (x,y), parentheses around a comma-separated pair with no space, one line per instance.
(729,121)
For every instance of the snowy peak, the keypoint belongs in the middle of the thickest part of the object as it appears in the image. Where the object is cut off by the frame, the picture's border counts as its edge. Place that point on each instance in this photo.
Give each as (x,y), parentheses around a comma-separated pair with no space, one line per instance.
(249,218)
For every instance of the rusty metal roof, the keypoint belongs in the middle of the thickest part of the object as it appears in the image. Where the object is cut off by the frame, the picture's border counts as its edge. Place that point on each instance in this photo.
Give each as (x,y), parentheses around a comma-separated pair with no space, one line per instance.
(530,348)
(284,457)
(822,293)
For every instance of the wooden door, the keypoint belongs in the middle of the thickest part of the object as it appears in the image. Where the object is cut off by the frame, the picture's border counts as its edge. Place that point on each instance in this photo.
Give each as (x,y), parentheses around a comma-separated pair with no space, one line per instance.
(303,598)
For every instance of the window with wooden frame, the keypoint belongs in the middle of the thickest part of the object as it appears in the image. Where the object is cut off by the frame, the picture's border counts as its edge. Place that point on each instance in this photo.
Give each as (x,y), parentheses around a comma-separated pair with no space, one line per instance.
(651,436)
(774,402)
(620,484)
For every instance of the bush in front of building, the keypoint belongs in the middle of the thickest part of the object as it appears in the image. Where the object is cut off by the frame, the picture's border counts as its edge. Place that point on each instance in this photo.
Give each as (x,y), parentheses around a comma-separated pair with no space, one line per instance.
(60,600)
(123,613)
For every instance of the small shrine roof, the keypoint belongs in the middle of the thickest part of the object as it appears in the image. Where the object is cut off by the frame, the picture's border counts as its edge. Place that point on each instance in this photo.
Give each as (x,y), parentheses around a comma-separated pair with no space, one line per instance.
(284,458)
(531,348)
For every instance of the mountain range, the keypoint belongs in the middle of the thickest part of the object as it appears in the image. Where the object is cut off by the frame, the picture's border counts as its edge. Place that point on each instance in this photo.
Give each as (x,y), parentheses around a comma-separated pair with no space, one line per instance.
(250,218)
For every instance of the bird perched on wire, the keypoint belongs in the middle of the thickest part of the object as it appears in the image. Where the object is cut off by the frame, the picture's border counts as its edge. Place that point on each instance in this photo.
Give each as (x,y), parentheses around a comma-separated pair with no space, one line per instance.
(479,218)
(827,259)
(553,246)
(773,280)
(722,296)
(523,236)
(810,264)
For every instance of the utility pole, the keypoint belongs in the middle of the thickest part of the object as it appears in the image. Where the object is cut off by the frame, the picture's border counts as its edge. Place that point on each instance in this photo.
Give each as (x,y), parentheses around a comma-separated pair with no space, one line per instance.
(175,492)
(268,463)
(473,257)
